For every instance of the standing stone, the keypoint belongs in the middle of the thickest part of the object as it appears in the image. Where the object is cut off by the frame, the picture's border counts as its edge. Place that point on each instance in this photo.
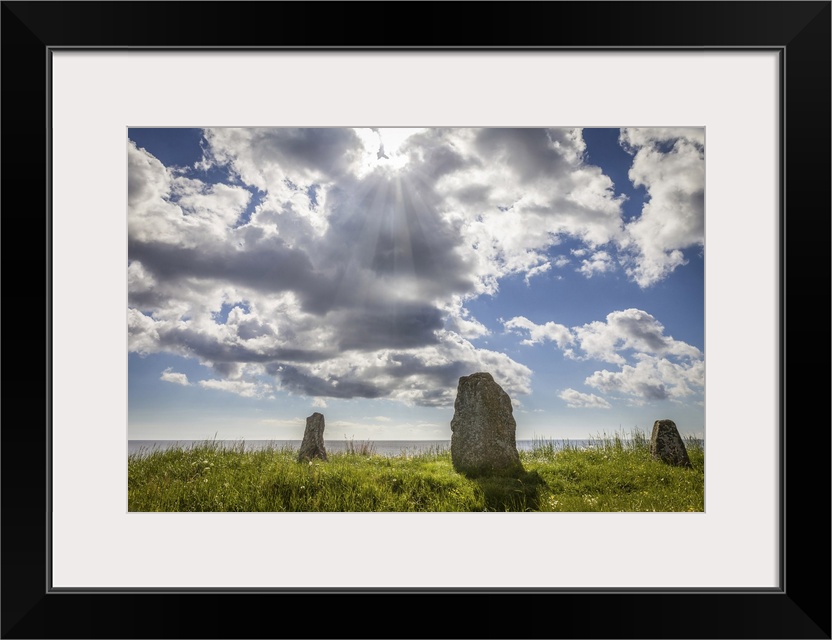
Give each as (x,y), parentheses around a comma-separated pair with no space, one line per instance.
(313,439)
(483,428)
(666,444)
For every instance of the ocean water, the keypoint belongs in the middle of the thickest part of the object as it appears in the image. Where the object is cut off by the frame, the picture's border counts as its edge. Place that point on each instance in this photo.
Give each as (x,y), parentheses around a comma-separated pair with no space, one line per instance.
(380,447)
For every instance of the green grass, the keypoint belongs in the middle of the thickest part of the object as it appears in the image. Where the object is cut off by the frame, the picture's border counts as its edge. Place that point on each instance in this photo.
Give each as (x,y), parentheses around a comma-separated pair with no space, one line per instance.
(616,473)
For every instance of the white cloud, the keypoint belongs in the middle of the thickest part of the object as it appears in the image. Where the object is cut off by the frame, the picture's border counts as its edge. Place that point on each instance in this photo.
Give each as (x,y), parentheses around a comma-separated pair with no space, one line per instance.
(459,320)
(630,329)
(599,262)
(168,375)
(267,157)
(319,403)
(178,211)
(550,331)
(652,379)
(142,336)
(515,193)
(653,366)
(577,400)
(634,138)
(670,164)
(535,271)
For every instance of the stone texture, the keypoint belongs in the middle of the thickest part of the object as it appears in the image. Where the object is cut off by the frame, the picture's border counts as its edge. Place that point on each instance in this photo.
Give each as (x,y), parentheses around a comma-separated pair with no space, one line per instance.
(313,439)
(483,428)
(667,445)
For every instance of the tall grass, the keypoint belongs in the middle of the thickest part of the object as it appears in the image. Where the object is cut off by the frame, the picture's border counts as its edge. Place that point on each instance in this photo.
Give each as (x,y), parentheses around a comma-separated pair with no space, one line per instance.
(614,473)
(362,448)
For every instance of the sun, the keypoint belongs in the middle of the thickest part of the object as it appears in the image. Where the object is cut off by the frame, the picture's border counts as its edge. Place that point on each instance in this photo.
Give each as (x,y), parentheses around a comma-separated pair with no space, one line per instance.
(383,147)
(392,138)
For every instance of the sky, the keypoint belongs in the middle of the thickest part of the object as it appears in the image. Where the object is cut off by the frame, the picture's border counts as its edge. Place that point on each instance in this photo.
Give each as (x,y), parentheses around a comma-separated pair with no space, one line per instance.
(276,272)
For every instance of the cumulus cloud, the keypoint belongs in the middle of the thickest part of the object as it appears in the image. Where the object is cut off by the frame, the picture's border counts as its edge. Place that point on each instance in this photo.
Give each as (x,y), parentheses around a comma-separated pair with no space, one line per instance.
(652,365)
(670,164)
(349,274)
(577,400)
(538,333)
(651,379)
(514,193)
(628,330)
(598,262)
(168,375)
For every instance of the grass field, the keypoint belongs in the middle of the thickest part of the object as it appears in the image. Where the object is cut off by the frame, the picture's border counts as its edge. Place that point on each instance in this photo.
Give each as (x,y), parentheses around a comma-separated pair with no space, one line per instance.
(614,473)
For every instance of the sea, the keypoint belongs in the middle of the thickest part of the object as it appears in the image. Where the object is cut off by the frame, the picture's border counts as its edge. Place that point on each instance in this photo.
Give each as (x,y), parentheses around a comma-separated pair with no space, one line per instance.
(379,447)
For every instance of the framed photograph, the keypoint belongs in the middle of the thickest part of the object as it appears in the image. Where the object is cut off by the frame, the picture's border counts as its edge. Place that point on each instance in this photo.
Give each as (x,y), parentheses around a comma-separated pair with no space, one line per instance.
(710,118)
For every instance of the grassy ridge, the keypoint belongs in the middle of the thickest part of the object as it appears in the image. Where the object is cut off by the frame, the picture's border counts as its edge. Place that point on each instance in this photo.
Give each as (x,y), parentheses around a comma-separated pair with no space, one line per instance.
(613,474)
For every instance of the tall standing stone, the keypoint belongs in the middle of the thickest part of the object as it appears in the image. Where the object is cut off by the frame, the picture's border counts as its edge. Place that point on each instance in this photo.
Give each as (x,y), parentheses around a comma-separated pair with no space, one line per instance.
(483,428)
(666,444)
(313,439)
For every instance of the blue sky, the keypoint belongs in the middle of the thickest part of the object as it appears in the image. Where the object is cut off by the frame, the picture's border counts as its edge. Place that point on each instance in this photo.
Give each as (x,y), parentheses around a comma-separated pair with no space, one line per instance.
(360,272)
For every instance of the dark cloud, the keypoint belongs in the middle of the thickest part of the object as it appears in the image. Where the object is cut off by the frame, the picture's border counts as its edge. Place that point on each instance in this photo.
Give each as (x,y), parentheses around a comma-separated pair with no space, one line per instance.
(147,299)
(394,326)
(268,265)
(527,152)
(395,227)
(643,328)
(472,194)
(433,157)
(444,376)
(209,347)
(311,151)
(294,380)
(652,391)
(435,384)
(251,329)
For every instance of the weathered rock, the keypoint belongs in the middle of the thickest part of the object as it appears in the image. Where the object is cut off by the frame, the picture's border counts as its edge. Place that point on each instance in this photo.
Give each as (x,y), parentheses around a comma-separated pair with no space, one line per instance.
(313,439)
(483,428)
(666,444)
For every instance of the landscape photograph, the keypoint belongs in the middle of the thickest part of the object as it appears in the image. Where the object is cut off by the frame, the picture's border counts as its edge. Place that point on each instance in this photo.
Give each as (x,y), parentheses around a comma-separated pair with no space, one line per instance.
(390,319)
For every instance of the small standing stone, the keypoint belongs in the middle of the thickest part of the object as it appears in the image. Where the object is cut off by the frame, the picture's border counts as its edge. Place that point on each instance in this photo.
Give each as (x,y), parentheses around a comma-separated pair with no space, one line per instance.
(666,444)
(313,439)
(483,428)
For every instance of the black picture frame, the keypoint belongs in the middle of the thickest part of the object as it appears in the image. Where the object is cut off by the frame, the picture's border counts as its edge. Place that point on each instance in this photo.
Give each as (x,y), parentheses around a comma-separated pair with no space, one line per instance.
(800,608)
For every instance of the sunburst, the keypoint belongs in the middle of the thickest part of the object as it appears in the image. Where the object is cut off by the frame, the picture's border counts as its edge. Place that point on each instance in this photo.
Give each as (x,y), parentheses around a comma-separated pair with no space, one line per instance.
(385,147)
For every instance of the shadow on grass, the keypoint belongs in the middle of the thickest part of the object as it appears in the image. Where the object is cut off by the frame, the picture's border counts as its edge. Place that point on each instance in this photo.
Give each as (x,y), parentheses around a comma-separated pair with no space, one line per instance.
(519,491)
